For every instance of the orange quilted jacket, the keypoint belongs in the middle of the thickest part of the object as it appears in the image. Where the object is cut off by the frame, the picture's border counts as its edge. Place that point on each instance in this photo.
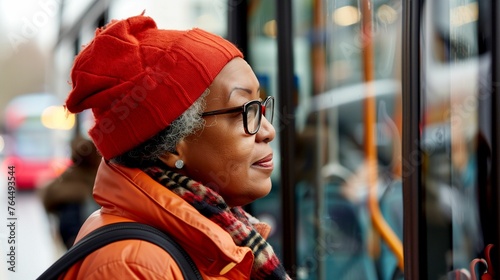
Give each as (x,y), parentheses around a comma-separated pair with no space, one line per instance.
(127,194)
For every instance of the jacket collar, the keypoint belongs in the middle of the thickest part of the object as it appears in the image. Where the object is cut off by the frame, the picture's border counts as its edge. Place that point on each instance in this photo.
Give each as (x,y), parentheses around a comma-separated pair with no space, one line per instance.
(134,195)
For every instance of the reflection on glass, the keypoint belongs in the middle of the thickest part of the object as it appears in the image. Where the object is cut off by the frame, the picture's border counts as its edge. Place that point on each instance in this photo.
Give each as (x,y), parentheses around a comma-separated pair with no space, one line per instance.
(336,234)
(348,119)
(262,57)
(449,132)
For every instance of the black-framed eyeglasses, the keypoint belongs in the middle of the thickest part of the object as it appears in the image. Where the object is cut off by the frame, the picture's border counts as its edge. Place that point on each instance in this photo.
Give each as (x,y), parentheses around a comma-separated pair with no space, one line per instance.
(252,112)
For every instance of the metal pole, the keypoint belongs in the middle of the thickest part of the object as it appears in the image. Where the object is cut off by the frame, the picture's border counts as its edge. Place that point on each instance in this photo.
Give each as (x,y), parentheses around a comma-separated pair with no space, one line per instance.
(495,121)
(413,231)
(237,25)
(287,132)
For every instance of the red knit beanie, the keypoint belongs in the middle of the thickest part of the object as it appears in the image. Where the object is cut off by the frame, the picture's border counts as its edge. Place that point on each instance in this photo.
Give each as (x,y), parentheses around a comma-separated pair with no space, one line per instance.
(137,79)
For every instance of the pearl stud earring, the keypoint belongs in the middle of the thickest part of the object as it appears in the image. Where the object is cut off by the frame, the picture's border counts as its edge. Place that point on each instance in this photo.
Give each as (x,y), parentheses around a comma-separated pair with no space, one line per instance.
(179,164)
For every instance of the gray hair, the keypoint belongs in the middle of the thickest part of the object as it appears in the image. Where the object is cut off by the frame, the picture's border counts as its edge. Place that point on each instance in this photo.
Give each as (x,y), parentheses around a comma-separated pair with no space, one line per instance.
(147,153)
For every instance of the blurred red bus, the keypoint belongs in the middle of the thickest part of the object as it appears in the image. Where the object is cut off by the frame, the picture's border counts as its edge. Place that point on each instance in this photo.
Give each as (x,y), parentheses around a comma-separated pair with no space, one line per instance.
(37,133)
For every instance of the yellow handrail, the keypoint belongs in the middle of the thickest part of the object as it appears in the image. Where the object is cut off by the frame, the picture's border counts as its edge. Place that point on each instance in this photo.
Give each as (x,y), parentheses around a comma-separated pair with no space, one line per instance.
(377,218)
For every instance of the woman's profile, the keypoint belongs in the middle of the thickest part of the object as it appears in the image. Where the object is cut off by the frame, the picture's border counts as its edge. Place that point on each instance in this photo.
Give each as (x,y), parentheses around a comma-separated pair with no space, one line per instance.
(185,141)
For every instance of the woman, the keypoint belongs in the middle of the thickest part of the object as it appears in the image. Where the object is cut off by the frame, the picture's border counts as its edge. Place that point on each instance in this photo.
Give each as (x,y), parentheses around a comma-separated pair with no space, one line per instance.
(175,157)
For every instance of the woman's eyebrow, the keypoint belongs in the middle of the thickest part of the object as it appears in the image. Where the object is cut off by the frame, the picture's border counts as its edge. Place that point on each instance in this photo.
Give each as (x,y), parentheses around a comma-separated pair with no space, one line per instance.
(249,91)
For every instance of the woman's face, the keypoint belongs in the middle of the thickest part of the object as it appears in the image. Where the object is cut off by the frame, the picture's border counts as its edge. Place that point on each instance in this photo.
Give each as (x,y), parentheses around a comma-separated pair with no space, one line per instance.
(222,156)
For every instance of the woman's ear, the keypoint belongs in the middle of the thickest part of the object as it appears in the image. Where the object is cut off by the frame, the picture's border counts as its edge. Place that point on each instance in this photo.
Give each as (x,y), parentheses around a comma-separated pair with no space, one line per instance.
(173,158)
(169,159)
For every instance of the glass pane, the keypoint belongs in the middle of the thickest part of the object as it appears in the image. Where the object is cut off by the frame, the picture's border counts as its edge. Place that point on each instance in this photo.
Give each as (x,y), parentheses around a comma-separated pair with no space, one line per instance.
(263,58)
(451,66)
(348,121)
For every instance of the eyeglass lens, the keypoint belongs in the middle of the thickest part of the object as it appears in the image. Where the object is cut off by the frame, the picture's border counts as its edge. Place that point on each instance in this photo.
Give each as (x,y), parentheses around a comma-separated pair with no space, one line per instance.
(269,109)
(254,114)
(253,117)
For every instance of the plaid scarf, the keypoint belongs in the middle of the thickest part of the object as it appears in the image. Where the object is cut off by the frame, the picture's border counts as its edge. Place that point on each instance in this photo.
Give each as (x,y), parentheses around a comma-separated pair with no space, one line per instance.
(234,220)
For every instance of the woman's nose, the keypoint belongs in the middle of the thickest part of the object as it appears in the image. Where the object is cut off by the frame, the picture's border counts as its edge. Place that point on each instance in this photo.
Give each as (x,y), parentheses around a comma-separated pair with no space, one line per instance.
(266,132)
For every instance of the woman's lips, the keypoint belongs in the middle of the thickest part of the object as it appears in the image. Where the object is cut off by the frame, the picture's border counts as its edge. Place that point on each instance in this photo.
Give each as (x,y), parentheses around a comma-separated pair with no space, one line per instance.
(266,162)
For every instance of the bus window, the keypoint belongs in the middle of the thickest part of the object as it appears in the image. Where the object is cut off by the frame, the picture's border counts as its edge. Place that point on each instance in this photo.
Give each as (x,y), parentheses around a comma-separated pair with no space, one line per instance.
(336,236)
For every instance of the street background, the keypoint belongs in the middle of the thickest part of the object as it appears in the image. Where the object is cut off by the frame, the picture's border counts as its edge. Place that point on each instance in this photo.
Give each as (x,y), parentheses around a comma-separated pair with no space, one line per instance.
(30,63)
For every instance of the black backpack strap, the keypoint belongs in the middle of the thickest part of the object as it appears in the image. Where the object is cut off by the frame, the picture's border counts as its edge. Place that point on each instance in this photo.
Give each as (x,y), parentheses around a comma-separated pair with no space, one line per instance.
(122,231)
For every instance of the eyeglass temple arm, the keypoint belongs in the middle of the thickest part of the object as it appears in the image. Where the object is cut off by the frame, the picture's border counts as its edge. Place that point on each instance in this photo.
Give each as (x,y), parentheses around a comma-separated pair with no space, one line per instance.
(223,111)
